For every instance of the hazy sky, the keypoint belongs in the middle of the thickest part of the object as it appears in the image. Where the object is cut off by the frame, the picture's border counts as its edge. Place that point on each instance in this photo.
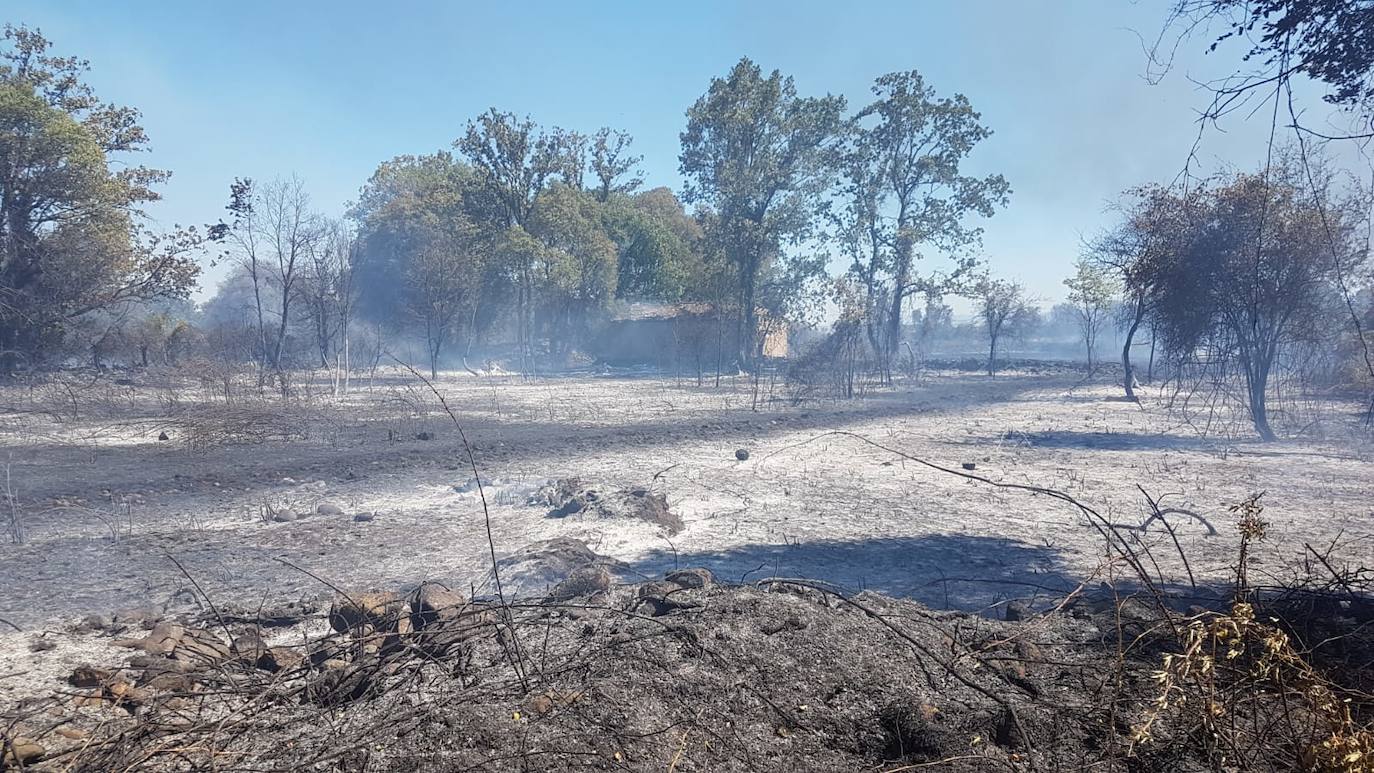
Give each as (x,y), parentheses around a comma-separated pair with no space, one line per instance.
(327,90)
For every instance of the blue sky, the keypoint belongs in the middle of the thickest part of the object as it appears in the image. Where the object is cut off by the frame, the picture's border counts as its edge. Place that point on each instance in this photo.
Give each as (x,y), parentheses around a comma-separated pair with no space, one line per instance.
(327,90)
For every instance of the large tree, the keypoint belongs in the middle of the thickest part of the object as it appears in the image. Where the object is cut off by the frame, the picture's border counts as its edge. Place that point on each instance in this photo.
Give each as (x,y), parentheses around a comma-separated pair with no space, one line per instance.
(273,233)
(515,159)
(424,255)
(575,265)
(908,192)
(659,246)
(1253,275)
(72,234)
(761,158)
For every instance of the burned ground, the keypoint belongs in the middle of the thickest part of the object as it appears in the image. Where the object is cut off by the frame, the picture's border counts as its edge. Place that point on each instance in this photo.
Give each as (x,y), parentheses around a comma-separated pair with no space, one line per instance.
(836,492)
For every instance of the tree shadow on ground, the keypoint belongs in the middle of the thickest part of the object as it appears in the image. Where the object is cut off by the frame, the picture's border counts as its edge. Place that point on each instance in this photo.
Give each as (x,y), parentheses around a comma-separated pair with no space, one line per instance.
(943,571)
(1101,441)
(951,571)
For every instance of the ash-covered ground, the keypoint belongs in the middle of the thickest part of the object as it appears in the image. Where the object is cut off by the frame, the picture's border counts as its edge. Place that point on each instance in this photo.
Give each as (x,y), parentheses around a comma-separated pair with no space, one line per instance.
(264,503)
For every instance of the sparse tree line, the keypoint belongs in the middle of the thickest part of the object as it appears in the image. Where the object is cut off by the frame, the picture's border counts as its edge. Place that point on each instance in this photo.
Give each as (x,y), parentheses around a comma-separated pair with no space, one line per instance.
(522,238)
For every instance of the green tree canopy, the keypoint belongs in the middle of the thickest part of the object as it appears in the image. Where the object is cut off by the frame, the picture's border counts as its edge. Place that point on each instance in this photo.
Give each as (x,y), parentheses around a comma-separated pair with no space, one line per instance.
(761,158)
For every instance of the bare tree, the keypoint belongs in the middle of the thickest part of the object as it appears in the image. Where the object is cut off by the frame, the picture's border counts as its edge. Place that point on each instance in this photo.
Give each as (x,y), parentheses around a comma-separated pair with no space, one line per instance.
(327,292)
(1155,224)
(273,234)
(291,232)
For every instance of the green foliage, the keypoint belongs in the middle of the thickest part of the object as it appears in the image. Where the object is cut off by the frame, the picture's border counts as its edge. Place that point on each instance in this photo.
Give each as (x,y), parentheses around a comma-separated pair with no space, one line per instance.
(1092,291)
(905,190)
(761,158)
(575,264)
(70,238)
(659,246)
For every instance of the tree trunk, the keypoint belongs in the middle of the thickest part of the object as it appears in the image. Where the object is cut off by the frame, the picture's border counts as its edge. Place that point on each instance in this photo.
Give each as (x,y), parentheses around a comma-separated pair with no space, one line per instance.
(1126,368)
(1259,413)
(749,323)
(1257,378)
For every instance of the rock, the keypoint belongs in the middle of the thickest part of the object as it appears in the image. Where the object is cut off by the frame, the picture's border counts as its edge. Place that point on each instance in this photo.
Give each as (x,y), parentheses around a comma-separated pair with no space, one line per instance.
(276,659)
(121,690)
(22,752)
(163,638)
(364,517)
(660,596)
(536,567)
(136,616)
(249,648)
(381,610)
(570,497)
(1016,611)
(165,678)
(87,677)
(160,641)
(160,663)
(283,516)
(329,508)
(969,466)
(200,646)
(432,604)
(1029,651)
(162,436)
(696,577)
(586,581)
(742,454)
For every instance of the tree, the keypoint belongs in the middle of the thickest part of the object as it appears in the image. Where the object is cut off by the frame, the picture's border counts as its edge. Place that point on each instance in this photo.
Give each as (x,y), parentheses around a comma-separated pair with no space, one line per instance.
(1330,41)
(611,162)
(327,292)
(1004,312)
(908,191)
(1092,294)
(273,233)
(515,160)
(72,240)
(576,264)
(1254,276)
(761,158)
(658,245)
(442,283)
(418,220)
(1139,252)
